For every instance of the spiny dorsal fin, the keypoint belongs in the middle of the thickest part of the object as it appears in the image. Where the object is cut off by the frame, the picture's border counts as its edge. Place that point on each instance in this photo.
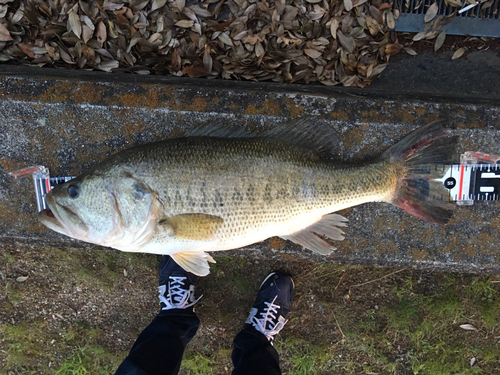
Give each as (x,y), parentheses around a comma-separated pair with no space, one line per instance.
(220,131)
(306,132)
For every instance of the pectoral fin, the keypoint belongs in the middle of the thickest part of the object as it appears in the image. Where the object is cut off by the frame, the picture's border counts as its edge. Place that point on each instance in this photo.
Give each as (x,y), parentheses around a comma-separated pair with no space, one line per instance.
(195,262)
(197,227)
(328,227)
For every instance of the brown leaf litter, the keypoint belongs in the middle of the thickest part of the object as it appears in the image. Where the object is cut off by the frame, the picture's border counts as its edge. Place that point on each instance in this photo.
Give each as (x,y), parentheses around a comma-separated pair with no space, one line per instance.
(335,42)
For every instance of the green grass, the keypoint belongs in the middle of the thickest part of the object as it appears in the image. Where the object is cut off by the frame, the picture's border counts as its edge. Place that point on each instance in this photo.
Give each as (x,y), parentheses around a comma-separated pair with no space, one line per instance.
(431,325)
(23,343)
(198,364)
(304,358)
(91,359)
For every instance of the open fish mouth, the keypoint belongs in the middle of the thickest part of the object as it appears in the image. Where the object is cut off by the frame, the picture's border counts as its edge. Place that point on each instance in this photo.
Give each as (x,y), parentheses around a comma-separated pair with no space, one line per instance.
(63,220)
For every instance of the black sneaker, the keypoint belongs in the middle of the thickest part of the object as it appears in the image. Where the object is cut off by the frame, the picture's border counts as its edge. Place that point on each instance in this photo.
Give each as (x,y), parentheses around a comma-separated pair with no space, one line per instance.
(272,304)
(176,286)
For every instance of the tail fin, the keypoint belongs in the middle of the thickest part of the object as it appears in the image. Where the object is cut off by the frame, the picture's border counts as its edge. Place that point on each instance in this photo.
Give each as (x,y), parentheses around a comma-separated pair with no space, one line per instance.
(421,155)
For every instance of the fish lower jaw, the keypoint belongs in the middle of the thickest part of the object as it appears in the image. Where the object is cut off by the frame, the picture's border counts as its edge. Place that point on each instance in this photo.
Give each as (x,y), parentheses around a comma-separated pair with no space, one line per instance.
(47,218)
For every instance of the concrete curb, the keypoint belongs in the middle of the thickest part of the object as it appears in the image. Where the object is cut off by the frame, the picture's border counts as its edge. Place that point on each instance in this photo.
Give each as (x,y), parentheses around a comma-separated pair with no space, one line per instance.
(69,120)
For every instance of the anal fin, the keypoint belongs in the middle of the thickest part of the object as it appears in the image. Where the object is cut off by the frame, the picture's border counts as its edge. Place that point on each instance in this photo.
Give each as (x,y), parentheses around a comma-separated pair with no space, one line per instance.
(195,262)
(327,226)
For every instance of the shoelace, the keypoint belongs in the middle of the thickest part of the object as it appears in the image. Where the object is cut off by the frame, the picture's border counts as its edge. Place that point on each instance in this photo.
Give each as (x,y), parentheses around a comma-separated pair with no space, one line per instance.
(177,297)
(268,316)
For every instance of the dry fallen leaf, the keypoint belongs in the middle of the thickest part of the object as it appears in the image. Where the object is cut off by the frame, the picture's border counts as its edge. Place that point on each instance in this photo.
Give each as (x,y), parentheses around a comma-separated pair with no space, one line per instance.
(186,24)
(392,49)
(4,34)
(348,5)
(468,327)
(21,279)
(195,71)
(207,62)
(312,53)
(454,3)
(440,40)
(259,50)
(109,5)
(226,39)
(458,53)
(373,25)
(75,24)
(67,58)
(26,48)
(333,28)
(202,12)
(347,42)
(180,4)
(431,12)
(419,36)
(100,33)
(391,21)
(87,33)
(108,65)
(410,51)
(157,4)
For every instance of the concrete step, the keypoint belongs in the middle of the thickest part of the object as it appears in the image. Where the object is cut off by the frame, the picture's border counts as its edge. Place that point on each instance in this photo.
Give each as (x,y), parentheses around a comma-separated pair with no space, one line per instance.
(68,121)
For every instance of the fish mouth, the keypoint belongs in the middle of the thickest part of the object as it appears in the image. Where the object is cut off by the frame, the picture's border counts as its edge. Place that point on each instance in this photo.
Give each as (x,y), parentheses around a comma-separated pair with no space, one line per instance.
(62,219)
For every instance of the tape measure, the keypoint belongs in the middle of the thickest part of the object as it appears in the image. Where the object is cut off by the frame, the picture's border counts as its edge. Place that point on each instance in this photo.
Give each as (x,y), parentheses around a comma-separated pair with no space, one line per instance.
(476,178)
(469,183)
(42,180)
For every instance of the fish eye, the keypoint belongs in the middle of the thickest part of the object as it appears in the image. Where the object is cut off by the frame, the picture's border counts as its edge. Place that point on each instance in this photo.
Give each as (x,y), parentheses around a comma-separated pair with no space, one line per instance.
(73,191)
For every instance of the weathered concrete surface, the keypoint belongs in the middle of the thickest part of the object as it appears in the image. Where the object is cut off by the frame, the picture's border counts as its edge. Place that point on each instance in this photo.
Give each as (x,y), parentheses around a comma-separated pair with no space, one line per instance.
(68,121)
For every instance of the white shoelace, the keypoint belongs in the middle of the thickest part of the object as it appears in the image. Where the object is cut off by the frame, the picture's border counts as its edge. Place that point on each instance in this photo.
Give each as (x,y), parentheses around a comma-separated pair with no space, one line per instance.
(177,298)
(267,318)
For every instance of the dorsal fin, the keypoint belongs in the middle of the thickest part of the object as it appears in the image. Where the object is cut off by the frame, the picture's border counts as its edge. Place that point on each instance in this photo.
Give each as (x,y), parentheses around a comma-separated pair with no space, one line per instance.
(220,131)
(306,132)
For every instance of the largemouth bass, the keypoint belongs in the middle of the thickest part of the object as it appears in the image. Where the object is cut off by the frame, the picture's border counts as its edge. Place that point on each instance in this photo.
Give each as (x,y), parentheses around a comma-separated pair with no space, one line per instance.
(221,190)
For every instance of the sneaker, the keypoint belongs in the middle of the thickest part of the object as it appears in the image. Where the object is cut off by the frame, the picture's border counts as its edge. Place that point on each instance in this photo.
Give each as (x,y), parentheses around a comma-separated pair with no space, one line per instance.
(176,286)
(272,304)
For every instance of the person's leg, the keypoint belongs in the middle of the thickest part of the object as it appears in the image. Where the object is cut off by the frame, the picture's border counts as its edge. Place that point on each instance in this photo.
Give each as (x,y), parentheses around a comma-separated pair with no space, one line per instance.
(159,348)
(253,352)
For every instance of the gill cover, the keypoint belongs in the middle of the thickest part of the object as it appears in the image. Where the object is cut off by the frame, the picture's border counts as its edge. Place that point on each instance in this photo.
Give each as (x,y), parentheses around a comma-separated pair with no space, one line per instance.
(137,211)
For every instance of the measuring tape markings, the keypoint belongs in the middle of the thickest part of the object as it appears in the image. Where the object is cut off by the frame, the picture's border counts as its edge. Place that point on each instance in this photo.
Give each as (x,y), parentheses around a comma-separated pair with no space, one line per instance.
(478,182)
(43,186)
(487,182)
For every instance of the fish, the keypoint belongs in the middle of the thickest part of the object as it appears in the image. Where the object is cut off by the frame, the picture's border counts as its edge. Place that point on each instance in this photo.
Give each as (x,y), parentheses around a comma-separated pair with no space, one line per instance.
(223,188)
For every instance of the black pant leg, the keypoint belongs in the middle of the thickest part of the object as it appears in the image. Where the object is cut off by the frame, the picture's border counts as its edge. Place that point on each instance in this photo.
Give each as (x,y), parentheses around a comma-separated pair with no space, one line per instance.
(253,354)
(159,348)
